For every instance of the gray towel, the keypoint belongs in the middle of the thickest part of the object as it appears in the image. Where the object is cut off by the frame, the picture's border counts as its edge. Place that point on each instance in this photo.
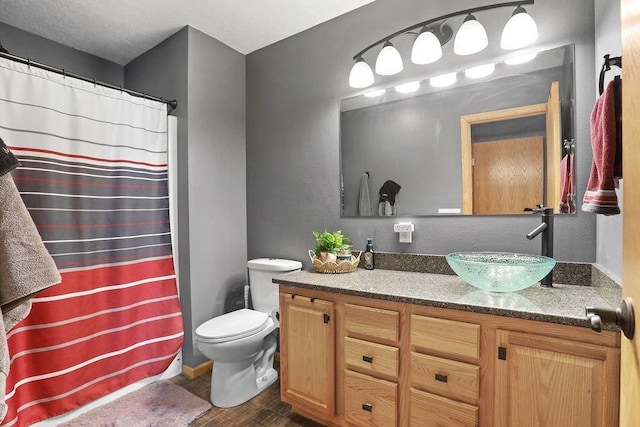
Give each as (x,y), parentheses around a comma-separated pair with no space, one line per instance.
(26,268)
(364,199)
(387,209)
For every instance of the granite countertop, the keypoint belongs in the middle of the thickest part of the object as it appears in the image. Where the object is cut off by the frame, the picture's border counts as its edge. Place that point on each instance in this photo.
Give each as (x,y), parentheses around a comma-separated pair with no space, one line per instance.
(562,304)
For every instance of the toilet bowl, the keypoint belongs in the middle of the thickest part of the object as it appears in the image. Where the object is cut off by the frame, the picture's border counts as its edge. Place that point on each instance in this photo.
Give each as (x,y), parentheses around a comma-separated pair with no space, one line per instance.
(242,343)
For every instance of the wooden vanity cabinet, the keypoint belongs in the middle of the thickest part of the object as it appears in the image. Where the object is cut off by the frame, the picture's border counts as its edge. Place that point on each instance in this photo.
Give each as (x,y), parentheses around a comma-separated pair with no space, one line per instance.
(307,349)
(445,376)
(371,356)
(385,363)
(546,381)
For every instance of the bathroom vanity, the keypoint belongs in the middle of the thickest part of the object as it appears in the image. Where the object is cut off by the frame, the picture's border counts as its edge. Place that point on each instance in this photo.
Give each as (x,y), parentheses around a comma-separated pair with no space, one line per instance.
(387,348)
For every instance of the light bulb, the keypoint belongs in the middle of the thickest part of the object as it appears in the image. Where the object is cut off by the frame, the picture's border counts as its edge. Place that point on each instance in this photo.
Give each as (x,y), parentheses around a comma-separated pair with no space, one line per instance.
(408,87)
(479,71)
(443,80)
(520,59)
(389,60)
(520,31)
(426,49)
(374,93)
(470,38)
(361,74)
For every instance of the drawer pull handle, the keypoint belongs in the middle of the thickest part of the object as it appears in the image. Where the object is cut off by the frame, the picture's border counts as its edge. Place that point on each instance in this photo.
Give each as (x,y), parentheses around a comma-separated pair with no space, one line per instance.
(368,359)
(367,407)
(442,378)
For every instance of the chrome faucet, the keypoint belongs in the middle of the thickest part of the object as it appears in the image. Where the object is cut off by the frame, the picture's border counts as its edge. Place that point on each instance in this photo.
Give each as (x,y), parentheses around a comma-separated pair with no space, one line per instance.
(546,228)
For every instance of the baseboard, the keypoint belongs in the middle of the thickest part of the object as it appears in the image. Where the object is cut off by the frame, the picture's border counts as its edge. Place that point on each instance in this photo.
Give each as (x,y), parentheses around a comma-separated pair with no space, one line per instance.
(199,370)
(207,366)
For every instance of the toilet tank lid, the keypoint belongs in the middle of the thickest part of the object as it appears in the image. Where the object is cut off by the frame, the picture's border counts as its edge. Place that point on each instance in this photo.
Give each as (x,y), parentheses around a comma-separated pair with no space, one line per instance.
(274,264)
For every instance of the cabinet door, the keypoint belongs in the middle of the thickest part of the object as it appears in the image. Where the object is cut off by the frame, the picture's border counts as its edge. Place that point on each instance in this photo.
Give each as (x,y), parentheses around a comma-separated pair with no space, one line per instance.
(307,350)
(544,381)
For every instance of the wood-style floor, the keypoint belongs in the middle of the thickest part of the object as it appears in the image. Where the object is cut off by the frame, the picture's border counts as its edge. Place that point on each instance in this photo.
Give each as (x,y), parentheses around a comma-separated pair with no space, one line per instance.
(266,409)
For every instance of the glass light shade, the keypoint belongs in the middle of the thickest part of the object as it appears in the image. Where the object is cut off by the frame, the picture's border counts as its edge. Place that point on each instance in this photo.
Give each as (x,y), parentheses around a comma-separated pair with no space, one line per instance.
(520,59)
(408,87)
(426,49)
(443,80)
(374,93)
(470,38)
(520,31)
(479,71)
(389,61)
(361,74)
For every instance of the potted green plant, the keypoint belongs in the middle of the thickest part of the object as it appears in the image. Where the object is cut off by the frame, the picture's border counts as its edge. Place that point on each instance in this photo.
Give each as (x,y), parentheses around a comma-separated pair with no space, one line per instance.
(328,244)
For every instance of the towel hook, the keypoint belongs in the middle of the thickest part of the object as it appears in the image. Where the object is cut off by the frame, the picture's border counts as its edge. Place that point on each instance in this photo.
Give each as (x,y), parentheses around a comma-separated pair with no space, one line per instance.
(606,66)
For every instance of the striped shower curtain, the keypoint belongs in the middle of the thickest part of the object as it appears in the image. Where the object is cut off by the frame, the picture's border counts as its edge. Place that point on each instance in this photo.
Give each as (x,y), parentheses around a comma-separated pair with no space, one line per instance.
(93,176)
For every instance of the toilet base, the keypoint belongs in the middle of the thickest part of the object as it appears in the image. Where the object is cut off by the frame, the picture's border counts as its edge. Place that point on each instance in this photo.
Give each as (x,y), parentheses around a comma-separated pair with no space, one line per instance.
(234,383)
(237,389)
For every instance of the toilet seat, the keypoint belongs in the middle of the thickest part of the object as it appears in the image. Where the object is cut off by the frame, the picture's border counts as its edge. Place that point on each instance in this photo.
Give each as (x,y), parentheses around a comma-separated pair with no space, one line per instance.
(232,326)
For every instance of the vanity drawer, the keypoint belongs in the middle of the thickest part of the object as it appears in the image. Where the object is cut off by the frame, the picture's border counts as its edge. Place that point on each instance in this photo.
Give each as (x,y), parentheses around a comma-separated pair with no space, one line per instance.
(447,337)
(429,410)
(375,323)
(456,380)
(369,401)
(371,357)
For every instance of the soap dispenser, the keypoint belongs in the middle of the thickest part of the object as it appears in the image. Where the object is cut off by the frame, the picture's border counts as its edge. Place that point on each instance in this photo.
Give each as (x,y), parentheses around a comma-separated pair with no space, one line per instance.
(369,260)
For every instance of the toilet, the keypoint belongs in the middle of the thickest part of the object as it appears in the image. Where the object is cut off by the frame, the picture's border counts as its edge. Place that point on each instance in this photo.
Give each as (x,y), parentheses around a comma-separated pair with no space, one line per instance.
(242,343)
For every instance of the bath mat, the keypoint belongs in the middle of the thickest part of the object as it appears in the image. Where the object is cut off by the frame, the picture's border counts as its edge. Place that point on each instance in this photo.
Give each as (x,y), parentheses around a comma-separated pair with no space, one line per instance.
(160,404)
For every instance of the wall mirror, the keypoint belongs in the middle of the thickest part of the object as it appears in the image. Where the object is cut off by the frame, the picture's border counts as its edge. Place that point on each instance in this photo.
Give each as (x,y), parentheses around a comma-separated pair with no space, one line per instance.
(505,138)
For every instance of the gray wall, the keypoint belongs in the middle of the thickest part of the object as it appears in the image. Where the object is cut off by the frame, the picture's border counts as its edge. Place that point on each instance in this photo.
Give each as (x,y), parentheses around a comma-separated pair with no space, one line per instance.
(217,177)
(609,228)
(207,77)
(44,51)
(293,93)
(416,141)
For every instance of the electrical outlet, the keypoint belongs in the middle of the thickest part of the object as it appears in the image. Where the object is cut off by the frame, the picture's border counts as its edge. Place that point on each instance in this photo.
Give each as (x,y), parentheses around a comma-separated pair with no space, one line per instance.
(405,237)
(403,227)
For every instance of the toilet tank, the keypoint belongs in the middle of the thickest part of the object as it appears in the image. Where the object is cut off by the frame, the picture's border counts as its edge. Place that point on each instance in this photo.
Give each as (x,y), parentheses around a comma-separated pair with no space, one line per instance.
(264,293)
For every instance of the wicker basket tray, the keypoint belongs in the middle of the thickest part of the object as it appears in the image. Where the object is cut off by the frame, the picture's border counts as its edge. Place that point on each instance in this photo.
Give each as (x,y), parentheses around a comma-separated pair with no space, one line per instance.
(332,267)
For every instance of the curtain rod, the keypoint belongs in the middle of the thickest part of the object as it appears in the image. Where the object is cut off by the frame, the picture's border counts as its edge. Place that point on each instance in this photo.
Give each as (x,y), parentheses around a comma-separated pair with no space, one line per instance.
(173,104)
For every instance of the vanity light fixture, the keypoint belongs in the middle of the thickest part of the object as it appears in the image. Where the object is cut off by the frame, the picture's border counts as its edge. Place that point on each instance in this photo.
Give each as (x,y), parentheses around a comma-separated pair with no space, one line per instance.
(434,33)
(375,93)
(361,74)
(520,31)
(427,48)
(520,59)
(471,37)
(389,61)
(408,87)
(480,71)
(443,80)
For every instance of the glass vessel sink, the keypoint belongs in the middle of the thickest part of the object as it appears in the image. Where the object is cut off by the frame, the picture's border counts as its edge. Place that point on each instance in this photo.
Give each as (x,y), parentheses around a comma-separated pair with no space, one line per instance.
(500,271)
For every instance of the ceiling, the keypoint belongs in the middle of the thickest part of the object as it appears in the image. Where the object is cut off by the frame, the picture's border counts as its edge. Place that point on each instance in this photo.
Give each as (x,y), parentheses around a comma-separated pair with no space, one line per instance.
(121,30)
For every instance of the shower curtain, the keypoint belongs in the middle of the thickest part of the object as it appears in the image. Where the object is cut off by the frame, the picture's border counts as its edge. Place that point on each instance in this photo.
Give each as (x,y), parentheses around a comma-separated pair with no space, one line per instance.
(93,176)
